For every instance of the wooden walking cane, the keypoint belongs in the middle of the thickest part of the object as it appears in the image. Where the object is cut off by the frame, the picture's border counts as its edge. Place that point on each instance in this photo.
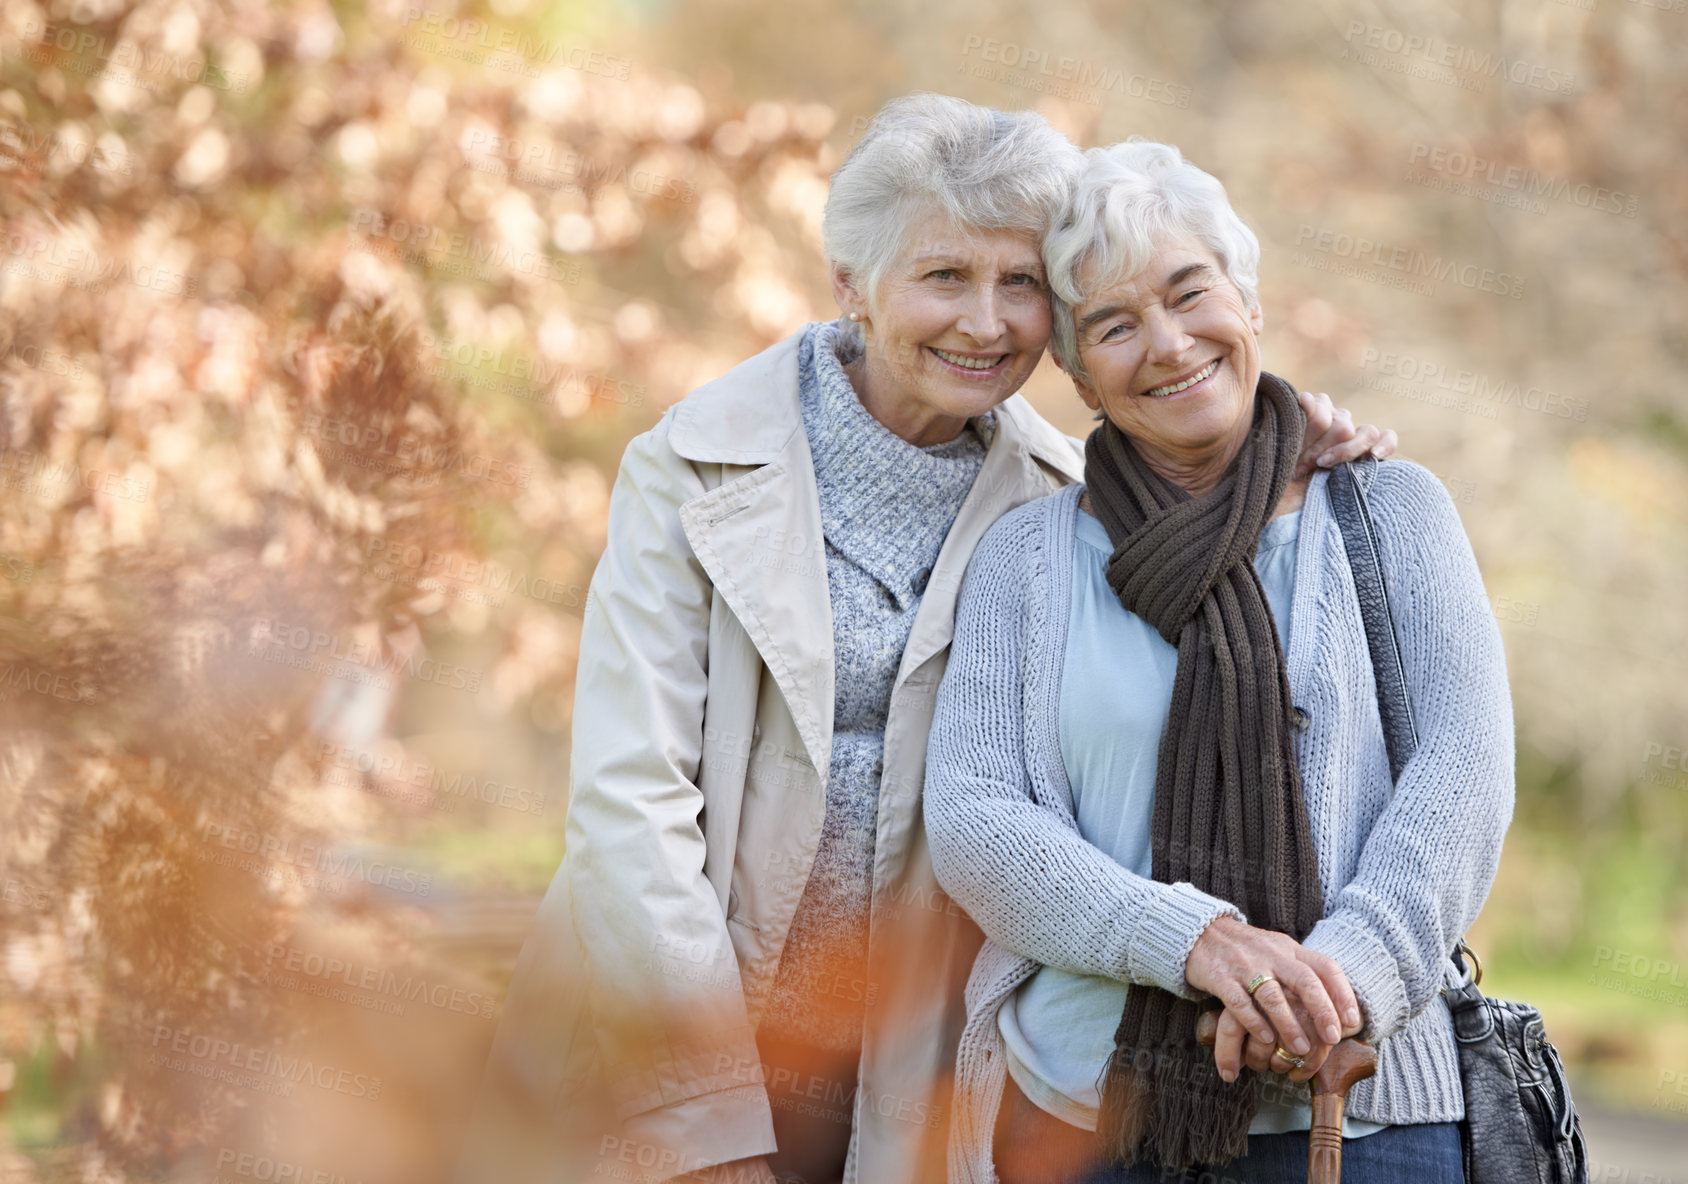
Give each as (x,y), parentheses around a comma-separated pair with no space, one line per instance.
(1350,1061)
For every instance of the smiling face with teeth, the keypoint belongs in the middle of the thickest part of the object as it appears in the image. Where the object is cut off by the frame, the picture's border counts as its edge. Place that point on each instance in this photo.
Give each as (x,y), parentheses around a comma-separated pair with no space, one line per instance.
(1173,355)
(956,325)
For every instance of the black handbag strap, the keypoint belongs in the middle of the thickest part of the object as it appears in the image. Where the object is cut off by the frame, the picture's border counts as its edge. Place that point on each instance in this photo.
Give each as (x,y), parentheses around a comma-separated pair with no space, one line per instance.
(1350,507)
(1359,537)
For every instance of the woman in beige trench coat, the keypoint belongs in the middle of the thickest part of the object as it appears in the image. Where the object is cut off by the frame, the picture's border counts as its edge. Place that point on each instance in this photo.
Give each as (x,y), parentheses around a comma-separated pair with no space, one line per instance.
(707,775)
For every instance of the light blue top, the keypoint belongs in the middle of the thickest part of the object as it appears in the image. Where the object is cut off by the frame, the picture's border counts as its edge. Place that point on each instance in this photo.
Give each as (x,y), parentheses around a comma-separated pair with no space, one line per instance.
(1116,691)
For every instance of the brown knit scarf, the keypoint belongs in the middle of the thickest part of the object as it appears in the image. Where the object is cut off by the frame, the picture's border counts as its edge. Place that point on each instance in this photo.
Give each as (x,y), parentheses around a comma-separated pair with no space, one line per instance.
(1228,815)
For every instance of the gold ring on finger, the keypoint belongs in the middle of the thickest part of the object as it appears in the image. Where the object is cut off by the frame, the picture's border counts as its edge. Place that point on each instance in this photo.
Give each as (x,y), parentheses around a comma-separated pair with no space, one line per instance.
(1292,1062)
(1255,982)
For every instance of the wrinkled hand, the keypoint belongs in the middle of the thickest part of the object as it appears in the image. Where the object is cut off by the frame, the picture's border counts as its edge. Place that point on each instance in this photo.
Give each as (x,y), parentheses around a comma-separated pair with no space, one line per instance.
(1310,999)
(754,1170)
(1261,1056)
(1332,437)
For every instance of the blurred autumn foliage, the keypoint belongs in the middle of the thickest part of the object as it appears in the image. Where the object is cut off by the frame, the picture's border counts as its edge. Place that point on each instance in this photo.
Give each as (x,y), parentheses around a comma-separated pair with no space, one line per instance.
(310,386)
(322,329)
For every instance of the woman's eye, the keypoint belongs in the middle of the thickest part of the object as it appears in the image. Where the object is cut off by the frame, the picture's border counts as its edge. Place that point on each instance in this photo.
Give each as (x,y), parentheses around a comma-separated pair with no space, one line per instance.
(1186,297)
(1024,280)
(942,273)
(1111,332)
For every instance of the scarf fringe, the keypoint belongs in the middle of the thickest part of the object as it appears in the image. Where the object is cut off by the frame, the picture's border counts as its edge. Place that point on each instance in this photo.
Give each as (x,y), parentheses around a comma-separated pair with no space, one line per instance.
(1176,1113)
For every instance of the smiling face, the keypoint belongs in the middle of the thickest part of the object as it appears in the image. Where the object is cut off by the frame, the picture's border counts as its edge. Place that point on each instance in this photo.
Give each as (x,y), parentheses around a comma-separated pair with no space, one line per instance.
(1173,355)
(957,325)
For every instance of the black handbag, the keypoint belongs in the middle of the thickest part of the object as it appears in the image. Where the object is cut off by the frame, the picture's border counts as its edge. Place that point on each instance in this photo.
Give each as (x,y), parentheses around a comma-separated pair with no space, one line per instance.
(1520,1126)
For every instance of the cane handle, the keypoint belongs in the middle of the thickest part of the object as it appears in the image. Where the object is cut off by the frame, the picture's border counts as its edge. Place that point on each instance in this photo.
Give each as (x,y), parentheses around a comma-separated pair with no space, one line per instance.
(1349,1062)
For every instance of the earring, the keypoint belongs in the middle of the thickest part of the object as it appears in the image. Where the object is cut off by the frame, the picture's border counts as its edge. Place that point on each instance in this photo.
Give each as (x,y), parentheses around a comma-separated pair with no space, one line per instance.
(855,316)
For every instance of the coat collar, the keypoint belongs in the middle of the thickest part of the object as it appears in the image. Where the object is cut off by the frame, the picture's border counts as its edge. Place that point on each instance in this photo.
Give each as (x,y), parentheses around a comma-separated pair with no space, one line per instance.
(758,534)
(745,417)
(1027,460)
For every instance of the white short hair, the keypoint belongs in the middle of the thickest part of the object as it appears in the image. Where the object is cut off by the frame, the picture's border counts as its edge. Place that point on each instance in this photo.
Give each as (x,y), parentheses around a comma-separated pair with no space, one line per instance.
(985,169)
(1126,197)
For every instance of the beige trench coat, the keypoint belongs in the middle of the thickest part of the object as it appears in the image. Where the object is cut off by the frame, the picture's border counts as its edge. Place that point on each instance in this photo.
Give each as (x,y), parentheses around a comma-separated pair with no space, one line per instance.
(701,741)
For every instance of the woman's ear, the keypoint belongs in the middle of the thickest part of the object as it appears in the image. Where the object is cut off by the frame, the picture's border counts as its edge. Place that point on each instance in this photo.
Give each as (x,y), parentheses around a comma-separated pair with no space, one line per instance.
(1257,318)
(850,301)
(1086,392)
(1091,397)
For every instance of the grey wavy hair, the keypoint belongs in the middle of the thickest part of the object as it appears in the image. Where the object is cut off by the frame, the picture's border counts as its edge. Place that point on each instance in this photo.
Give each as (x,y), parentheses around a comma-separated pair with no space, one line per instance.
(985,169)
(1124,199)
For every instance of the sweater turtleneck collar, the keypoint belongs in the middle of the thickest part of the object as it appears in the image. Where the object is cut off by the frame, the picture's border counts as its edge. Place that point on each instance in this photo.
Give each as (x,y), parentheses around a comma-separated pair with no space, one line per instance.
(885,503)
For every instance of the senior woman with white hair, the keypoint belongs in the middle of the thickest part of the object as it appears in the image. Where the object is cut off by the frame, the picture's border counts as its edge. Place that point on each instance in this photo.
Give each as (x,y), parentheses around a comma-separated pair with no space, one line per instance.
(1157,775)
(744,969)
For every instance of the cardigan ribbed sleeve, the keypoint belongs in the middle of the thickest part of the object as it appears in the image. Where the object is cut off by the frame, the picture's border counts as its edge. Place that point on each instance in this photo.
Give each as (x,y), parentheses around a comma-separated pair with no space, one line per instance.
(1033,884)
(1429,859)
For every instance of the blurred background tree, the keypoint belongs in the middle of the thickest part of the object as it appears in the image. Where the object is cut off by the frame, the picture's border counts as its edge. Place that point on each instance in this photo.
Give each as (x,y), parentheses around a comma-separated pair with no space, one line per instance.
(322,328)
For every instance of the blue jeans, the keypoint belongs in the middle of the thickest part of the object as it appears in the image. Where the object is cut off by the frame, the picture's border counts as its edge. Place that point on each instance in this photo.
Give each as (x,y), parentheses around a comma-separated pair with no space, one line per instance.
(1418,1154)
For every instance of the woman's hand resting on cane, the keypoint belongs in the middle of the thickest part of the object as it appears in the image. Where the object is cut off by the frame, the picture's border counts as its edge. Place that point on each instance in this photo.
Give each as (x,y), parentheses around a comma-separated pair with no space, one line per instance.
(1305,1005)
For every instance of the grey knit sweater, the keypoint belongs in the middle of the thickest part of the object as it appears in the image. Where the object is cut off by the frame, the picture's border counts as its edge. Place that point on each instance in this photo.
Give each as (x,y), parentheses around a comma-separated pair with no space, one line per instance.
(1404,867)
(886,506)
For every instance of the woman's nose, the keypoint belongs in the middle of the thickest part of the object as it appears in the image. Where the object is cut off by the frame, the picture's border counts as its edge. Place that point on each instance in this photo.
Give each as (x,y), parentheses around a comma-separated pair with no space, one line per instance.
(982,320)
(1167,339)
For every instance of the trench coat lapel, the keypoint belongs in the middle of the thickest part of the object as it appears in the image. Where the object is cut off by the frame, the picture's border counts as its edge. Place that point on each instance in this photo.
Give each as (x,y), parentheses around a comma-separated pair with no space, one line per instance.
(1014,472)
(758,533)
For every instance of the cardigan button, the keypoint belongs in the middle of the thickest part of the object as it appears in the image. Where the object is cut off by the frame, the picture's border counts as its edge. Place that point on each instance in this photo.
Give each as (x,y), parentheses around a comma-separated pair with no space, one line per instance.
(920,580)
(1300,719)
